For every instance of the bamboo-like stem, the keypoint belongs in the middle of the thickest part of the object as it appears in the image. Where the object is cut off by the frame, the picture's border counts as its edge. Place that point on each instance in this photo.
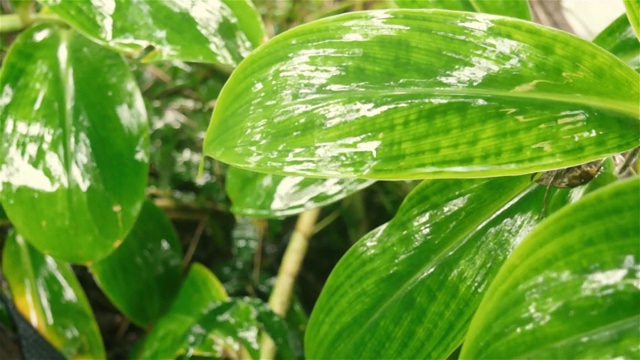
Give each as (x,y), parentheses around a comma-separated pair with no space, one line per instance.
(10,23)
(289,268)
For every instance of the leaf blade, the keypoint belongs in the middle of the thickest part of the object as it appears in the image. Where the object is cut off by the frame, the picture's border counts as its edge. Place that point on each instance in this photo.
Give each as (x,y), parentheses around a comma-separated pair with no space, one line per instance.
(360,106)
(562,272)
(74,144)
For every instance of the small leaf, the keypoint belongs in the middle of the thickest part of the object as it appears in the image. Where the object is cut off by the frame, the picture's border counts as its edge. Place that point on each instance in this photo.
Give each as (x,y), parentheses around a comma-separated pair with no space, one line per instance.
(151,259)
(620,39)
(74,145)
(47,293)
(409,94)
(216,31)
(633,13)
(267,195)
(514,8)
(570,290)
(166,337)
(424,272)
(242,319)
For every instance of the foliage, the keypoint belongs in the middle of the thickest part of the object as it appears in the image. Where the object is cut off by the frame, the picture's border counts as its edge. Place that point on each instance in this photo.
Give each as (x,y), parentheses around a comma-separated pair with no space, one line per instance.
(105,121)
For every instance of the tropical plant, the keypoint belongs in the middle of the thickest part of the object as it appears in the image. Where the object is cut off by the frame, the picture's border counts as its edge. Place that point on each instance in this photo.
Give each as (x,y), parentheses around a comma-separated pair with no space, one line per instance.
(496,253)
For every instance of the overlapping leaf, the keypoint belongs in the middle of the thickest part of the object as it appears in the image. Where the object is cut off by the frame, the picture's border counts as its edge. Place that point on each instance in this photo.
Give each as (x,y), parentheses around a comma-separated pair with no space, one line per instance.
(143,275)
(515,8)
(48,295)
(216,31)
(410,288)
(167,338)
(74,146)
(268,195)
(620,39)
(633,13)
(423,94)
(570,290)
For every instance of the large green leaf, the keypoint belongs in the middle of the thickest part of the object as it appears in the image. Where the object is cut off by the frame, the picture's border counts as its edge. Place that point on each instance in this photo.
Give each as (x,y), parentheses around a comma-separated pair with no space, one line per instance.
(409,288)
(216,31)
(515,8)
(267,195)
(423,94)
(74,146)
(143,275)
(570,290)
(47,293)
(620,40)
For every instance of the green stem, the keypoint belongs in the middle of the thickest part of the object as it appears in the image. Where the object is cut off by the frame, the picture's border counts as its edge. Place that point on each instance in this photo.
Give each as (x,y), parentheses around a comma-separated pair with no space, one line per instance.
(289,268)
(11,23)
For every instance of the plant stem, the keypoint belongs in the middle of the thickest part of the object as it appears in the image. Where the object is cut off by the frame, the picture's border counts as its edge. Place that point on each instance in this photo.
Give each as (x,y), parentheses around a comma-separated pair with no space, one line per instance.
(289,268)
(10,23)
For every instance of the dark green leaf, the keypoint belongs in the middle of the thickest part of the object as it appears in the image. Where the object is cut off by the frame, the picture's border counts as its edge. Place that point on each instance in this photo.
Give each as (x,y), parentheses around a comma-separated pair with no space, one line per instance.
(166,339)
(570,290)
(47,293)
(216,31)
(401,94)
(74,146)
(242,319)
(267,195)
(143,275)
(620,39)
(423,274)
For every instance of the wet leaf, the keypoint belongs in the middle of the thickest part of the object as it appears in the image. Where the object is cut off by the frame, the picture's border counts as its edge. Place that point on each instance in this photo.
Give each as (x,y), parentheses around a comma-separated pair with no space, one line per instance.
(143,275)
(242,319)
(570,290)
(215,31)
(47,293)
(515,8)
(620,39)
(267,195)
(74,147)
(165,340)
(402,94)
(424,272)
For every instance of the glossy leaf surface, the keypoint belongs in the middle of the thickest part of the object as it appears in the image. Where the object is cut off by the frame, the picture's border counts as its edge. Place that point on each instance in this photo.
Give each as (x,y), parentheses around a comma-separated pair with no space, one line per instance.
(633,13)
(216,31)
(267,195)
(47,293)
(241,319)
(199,288)
(570,290)
(620,39)
(74,146)
(514,8)
(403,94)
(424,272)
(143,275)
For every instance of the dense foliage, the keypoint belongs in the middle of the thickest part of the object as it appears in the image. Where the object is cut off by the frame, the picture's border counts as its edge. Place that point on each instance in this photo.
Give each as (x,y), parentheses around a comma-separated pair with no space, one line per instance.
(419,142)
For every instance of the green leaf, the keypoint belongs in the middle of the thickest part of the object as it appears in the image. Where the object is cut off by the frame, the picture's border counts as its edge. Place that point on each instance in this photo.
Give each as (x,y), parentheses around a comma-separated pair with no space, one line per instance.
(240,319)
(74,146)
(215,31)
(514,8)
(166,337)
(267,195)
(406,94)
(151,259)
(570,290)
(424,272)
(620,39)
(47,293)
(633,13)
